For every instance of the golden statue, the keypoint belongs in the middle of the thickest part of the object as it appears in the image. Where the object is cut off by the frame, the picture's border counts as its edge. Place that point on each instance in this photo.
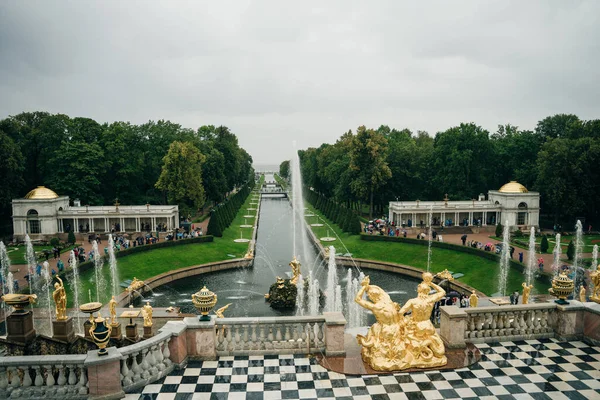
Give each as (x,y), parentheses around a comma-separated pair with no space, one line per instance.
(112,307)
(60,300)
(147,314)
(135,284)
(526,290)
(395,341)
(445,274)
(595,277)
(295,264)
(582,294)
(473,299)
(220,311)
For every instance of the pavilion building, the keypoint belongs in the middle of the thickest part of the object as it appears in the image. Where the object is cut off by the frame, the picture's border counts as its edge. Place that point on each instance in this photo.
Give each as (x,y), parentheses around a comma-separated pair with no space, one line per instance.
(43,214)
(512,203)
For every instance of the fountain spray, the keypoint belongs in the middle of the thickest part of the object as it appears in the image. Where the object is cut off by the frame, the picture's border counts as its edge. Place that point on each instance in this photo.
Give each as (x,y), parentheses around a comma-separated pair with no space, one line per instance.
(579,275)
(6,276)
(31,262)
(557,254)
(531,259)
(98,264)
(112,259)
(504,260)
(332,281)
(75,269)
(47,285)
(429,239)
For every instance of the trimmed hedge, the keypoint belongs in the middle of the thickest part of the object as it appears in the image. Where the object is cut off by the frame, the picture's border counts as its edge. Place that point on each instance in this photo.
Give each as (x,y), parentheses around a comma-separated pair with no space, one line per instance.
(343,217)
(450,246)
(222,215)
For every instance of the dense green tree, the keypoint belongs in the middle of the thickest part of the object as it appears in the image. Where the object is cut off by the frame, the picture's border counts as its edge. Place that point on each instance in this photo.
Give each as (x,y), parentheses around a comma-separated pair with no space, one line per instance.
(368,161)
(213,176)
(284,169)
(181,175)
(544,244)
(571,251)
(11,171)
(227,143)
(499,230)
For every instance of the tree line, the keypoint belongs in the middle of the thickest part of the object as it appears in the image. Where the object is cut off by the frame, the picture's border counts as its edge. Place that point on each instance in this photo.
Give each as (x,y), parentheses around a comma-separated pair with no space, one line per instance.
(157,162)
(560,158)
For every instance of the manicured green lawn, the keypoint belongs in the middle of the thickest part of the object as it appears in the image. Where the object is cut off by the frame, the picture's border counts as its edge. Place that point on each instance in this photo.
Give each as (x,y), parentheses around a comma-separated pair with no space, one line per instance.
(588,242)
(16,254)
(479,272)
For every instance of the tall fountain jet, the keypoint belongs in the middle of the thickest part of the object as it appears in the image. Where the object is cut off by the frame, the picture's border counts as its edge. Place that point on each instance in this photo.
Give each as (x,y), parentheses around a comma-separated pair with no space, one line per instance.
(332,283)
(98,264)
(112,260)
(301,244)
(579,273)
(504,260)
(531,259)
(557,254)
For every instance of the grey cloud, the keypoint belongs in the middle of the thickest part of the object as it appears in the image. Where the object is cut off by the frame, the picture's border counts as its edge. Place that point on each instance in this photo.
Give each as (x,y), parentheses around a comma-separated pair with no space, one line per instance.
(278,71)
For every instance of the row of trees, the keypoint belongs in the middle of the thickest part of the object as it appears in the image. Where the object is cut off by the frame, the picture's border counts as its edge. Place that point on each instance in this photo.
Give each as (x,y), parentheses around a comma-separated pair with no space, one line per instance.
(345,218)
(156,162)
(560,159)
(223,214)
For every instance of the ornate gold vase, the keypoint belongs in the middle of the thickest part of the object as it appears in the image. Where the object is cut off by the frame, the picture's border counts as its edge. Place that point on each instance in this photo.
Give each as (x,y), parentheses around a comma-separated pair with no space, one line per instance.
(204,301)
(562,287)
(19,301)
(100,333)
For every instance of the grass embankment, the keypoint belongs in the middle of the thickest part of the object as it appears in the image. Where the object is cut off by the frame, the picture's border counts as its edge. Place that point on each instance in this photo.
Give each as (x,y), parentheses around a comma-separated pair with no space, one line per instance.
(588,242)
(154,262)
(16,254)
(478,272)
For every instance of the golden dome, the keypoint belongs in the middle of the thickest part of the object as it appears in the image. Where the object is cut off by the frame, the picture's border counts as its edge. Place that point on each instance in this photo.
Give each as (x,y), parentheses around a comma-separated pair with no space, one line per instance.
(41,193)
(513,187)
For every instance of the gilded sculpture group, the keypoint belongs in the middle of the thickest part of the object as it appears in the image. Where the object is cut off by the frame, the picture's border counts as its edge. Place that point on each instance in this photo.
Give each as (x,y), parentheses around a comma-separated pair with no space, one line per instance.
(398,341)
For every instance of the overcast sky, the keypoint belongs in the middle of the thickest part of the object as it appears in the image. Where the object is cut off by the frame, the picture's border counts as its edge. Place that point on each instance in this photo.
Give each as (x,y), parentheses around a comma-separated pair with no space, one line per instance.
(280,71)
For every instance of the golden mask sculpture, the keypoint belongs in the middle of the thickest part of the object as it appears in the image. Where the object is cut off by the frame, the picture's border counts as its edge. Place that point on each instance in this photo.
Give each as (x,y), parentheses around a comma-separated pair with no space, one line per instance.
(395,341)
(135,284)
(295,264)
(595,277)
(147,314)
(60,300)
(526,290)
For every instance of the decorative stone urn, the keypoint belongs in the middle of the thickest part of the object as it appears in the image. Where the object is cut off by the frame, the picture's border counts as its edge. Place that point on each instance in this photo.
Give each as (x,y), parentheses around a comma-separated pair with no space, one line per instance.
(562,287)
(100,333)
(204,301)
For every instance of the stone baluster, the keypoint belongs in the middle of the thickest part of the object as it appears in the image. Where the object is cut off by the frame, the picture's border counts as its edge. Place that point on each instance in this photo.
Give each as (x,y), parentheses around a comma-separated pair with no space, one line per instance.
(278,333)
(261,337)
(247,337)
(62,379)
(303,335)
(145,364)
(167,354)
(237,338)
(49,376)
(288,333)
(159,357)
(320,334)
(229,340)
(221,338)
(494,325)
(125,373)
(136,369)
(470,325)
(507,323)
(152,361)
(39,377)
(523,322)
(13,373)
(480,325)
(72,375)
(516,322)
(26,377)
(544,321)
(538,323)
(3,378)
(254,345)
(82,380)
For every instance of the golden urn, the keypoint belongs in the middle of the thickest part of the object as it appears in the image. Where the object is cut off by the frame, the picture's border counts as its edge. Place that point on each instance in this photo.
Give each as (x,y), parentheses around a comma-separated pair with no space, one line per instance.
(204,301)
(100,333)
(19,301)
(562,287)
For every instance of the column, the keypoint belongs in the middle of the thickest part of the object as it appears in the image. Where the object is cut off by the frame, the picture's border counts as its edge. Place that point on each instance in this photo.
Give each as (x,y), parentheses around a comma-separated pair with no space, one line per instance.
(456,216)
(153,227)
(122,224)
(92,229)
(137,224)
(470,218)
(443,217)
(106,227)
(76,227)
(484,221)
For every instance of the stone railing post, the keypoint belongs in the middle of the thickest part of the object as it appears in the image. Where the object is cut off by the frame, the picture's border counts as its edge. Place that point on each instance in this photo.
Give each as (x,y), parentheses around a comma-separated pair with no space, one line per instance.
(178,344)
(335,325)
(200,338)
(569,320)
(591,323)
(103,373)
(453,324)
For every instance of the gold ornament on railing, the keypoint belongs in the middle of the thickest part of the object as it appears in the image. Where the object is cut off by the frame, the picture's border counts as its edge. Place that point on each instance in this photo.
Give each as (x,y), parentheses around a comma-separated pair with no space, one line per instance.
(204,301)
(396,341)
(147,314)
(526,290)
(100,333)
(595,278)
(295,264)
(445,274)
(220,311)
(19,301)
(112,307)
(135,285)
(60,300)
(562,287)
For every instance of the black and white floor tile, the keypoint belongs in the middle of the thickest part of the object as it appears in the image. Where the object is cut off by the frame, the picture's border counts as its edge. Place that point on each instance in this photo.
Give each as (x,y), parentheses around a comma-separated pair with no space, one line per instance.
(530,369)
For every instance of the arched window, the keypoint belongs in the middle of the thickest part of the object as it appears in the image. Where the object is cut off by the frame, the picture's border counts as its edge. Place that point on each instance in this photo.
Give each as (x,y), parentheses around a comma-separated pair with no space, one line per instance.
(60,208)
(522,214)
(33,223)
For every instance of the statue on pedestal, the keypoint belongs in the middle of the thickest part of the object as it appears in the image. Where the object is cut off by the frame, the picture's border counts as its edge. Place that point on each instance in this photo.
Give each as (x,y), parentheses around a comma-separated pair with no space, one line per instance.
(295,264)
(526,290)
(473,299)
(595,278)
(582,294)
(60,300)
(396,341)
(147,314)
(112,306)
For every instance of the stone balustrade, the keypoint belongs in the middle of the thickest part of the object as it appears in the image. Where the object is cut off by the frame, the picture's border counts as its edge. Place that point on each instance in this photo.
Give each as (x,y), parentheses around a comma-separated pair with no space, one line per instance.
(285,335)
(40,377)
(145,362)
(459,326)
